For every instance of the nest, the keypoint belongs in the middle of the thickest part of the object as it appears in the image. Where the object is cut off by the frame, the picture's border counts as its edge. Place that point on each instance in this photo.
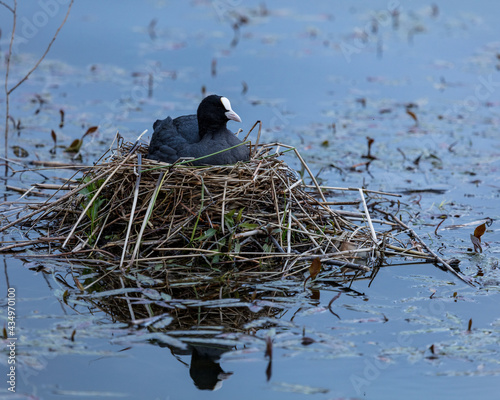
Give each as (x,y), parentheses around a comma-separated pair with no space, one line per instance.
(142,223)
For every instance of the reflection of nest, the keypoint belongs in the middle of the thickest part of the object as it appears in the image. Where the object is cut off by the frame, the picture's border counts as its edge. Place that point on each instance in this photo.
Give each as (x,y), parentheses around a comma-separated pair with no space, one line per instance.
(146,312)
(206,233)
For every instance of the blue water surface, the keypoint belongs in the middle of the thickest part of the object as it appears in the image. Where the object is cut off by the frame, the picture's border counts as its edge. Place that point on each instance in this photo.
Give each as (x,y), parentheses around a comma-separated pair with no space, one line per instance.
(322,76)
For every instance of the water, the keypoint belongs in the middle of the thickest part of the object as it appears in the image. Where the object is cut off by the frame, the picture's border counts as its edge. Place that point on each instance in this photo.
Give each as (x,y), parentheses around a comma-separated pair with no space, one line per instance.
(305,68)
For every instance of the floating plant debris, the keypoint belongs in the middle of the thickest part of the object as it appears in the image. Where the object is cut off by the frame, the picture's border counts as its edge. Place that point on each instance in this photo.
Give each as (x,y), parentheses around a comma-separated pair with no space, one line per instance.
(178,232)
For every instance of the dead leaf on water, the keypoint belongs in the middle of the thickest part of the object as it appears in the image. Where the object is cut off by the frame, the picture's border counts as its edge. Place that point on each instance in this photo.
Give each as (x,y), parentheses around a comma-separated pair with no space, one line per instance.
(75,146)
(476,238)
(315,268)
(91,130)
(306,341)
(61,124)
(78,284)
(20,152)
(413,115)
(469,326)
(479,231)
(54,137)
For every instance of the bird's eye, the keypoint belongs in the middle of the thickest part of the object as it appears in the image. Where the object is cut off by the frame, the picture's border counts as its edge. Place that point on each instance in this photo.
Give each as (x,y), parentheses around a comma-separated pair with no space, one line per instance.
(225,102)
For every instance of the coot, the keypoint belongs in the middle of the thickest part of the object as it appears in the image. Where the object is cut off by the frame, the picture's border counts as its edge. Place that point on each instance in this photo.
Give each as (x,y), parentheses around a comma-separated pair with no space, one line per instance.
(199,135)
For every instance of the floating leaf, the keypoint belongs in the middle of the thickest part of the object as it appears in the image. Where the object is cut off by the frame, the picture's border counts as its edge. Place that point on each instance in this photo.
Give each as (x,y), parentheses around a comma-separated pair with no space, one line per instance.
(54,137)
(91,130)
(78,284)
(315,268)
(306,341)
(65,296)
(370,142)
(413,115)
(61,124)
(20,152)
(73,335)
(479,231)
(75,146)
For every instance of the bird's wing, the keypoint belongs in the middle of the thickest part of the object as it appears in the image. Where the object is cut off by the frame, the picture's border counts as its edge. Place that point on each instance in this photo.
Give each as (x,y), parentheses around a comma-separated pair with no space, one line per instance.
(164,142)
(187,127)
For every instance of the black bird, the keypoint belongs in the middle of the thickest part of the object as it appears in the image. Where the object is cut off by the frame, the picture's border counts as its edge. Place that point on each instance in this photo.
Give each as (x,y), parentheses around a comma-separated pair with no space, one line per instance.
(199,135)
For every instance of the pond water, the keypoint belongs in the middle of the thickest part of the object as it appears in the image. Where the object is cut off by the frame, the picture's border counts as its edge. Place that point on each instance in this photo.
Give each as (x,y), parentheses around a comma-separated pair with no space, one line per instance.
(323,77)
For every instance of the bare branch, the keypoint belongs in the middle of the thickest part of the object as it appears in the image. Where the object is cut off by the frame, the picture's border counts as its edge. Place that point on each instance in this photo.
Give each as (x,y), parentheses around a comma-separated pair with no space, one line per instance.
(7,69)
(44,54)
(7,7)
(9,91)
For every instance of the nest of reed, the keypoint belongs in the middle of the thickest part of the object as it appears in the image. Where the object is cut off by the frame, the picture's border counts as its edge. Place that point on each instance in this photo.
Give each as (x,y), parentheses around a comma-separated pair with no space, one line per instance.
(142,223)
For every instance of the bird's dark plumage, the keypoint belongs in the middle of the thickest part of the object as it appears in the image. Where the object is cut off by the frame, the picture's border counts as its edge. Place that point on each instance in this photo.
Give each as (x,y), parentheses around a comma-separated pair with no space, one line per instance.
(199,135)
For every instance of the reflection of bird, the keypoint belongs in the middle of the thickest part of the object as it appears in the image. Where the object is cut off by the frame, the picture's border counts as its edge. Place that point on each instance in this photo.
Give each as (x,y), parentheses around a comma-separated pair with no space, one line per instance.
(205,370)
(199,135)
